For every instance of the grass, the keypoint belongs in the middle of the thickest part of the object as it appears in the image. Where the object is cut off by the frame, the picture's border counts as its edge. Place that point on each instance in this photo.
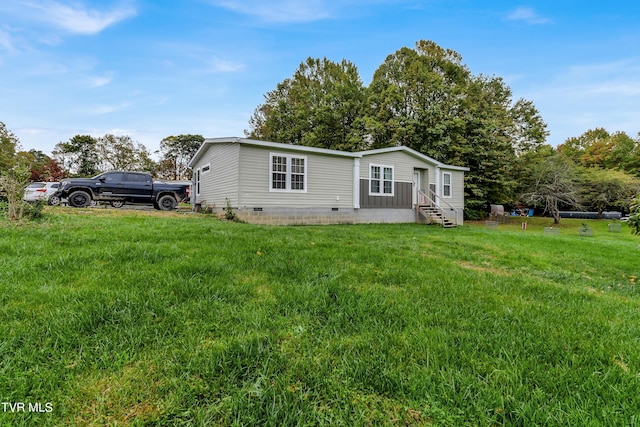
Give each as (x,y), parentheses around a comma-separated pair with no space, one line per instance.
(152,318)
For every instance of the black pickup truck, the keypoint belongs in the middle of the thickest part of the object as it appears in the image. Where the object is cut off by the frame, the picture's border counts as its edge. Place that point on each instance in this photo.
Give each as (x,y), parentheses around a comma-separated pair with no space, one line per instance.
(118,188)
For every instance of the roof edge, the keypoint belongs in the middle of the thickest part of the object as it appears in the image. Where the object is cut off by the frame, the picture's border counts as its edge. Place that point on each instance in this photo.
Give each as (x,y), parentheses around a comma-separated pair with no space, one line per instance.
(415,154)
(326,151)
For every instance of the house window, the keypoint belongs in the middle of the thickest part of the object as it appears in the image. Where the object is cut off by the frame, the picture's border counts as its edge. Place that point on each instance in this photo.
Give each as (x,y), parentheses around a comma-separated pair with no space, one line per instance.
(288,173)
(446,184)
(197,182)
(381,180)
(206,168)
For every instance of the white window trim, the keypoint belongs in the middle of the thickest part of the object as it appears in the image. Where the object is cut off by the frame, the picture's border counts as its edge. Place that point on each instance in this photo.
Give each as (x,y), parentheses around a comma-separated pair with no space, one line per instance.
(287,188)
(198,181)
(382,168)
(450,185)
(208,166)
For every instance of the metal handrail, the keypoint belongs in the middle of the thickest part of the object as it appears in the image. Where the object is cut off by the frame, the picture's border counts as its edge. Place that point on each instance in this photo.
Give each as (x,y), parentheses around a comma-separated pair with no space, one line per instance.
(430,198)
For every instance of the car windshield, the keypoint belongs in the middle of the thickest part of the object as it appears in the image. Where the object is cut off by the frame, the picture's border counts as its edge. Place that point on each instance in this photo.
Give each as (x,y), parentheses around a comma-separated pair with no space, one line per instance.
(36,185)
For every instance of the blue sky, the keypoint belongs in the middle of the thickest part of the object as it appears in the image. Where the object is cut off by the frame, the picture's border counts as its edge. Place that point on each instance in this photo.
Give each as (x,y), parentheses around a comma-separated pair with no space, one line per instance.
(154,68)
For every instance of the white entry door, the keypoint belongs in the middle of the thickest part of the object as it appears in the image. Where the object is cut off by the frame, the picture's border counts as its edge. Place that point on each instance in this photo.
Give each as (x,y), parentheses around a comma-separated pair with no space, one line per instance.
(415,187)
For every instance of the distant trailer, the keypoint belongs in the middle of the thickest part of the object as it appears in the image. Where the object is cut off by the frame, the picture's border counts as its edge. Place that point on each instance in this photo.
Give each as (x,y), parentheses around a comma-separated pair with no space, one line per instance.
(590,215)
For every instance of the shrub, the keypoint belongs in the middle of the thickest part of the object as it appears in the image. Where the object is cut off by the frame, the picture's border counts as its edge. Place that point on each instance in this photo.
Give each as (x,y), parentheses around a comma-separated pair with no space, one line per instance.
(634,217)
(12,184)
(229,215)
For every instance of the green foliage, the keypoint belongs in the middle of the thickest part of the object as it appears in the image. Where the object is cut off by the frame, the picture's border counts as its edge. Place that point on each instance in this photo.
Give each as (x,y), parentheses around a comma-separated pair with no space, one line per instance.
(12,185)
(320,106)
(634,217)
(118,319)
(176,152)
(122,153)
(78,156)
(552,185)
(423,98)
(598,148)
(605,189)
(84,155)
(229,215)
(9,145)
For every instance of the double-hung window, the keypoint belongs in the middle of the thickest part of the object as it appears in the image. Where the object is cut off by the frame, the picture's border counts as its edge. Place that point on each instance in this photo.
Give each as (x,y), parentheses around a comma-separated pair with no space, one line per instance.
(446,184)
(197,180)
(287,173)
(380,180)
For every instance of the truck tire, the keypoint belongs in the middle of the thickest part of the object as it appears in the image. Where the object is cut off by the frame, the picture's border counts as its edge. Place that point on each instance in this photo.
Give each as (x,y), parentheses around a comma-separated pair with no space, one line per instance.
(79,199)
(117,203)
(167,203)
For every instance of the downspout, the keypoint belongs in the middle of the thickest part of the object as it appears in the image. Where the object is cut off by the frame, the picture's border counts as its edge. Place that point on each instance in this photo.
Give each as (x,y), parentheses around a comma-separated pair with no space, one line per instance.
(356,183)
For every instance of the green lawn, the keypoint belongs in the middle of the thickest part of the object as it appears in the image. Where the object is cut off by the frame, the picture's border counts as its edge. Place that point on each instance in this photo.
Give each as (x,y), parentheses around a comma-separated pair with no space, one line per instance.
(151,318)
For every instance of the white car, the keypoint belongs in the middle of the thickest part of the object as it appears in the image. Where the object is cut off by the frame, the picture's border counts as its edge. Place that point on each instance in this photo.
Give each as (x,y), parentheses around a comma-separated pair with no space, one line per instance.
(41,191)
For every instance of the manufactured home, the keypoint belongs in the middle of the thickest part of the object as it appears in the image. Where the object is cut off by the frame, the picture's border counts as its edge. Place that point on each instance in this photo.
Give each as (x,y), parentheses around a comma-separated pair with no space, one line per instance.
(274,183)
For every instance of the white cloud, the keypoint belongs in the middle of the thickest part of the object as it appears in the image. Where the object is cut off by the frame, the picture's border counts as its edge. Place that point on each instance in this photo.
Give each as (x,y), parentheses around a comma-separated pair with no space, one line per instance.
(282,11)
(99,81)
(78,18)
(218,65)
(108,109)
(527,15)
(48,69)
(6,42)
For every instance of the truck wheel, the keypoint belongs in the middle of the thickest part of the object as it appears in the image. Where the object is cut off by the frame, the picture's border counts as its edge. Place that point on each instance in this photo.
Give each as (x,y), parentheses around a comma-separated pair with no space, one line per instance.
(167,203)
(79,199)
(117,203)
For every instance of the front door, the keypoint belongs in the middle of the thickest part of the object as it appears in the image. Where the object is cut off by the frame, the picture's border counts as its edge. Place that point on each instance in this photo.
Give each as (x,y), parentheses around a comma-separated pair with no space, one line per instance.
(415,187)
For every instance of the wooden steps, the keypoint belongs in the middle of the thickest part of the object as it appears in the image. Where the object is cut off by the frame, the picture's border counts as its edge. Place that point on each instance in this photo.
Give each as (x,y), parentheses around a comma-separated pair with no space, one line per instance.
(433,214)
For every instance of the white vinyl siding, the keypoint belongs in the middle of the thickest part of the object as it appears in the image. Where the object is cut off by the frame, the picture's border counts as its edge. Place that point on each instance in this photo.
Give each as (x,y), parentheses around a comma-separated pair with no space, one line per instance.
(287,173)
(404,165)
(221,182)
(328,180)
(380,180)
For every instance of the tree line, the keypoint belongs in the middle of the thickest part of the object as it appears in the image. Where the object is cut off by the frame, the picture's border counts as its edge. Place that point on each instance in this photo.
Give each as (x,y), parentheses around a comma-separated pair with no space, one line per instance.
(85,156)
(426,99)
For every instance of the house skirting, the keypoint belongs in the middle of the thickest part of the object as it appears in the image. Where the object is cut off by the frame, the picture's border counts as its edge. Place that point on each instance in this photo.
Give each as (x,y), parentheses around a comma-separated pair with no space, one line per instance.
(316,216)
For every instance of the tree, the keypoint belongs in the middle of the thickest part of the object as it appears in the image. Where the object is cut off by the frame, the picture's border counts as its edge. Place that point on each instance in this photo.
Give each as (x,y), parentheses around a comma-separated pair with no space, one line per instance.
(320,106)
(122,153)
(553,184)
(414,100)
(423,98)
(606,188)
(428,100)
(9,145)
(634,217)
(41,166)
(599,148)
(529,131)
(176,152)
(78,156)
